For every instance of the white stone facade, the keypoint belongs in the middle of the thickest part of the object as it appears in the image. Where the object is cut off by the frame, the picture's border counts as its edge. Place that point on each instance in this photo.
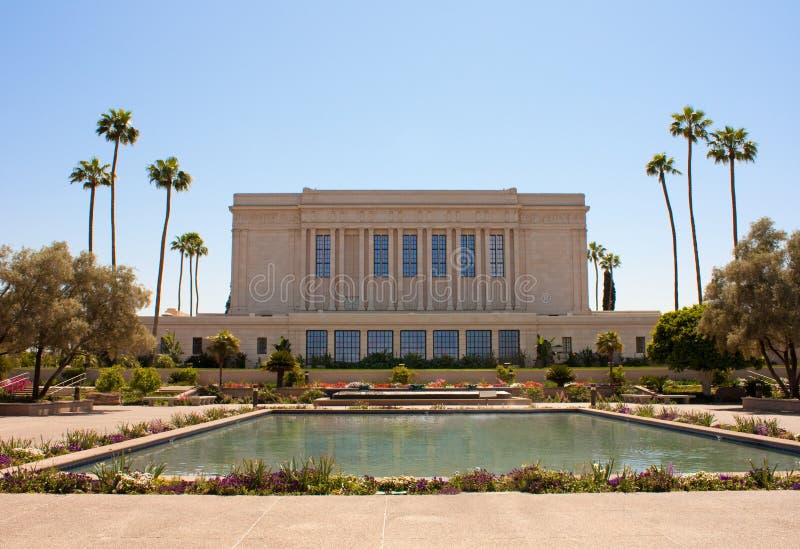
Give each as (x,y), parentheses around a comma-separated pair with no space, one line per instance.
(384,264)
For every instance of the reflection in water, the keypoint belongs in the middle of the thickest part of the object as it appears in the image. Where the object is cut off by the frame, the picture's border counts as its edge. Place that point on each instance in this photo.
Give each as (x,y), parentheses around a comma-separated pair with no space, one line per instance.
(440,444)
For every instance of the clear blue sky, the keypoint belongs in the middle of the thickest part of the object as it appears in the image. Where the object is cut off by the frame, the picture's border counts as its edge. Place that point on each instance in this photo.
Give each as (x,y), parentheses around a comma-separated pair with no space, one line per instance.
(277,96)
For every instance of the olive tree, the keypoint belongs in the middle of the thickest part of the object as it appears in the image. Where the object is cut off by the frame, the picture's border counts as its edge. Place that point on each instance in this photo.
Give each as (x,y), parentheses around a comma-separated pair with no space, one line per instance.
(754,302)
(68,307)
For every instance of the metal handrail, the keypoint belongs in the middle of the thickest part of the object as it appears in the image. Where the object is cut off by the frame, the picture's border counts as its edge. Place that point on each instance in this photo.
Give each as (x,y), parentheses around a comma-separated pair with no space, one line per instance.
(71,382)
(10,381)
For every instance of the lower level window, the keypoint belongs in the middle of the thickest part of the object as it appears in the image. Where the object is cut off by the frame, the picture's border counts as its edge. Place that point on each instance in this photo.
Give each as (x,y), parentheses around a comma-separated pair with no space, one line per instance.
(640,345)
(508,341)
(197,346)
(379,341)
(347,345)
(261,346)
(479,343)
(566,345)
(445,343)
(412,342)
(316,343)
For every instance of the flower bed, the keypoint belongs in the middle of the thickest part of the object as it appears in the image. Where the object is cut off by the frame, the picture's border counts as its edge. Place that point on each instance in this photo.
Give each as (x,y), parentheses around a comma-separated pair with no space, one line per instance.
(317,478)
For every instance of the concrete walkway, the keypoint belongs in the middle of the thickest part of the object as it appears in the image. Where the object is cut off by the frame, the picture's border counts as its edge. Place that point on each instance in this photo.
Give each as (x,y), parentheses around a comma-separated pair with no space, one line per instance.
(698,519)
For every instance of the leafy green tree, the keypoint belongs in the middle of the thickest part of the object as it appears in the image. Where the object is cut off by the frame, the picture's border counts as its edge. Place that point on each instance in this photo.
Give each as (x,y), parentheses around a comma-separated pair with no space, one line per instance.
(181,245)
(726,146)
(754,302)
(223,346)
(116,126)
(608,343)
(68,307)
(594,254)
(677,342)
(171,346)
(545,355)
(166,174)
(110,379)
(92,174)
(692,125)
(280,360)
(658,166)
(609,262)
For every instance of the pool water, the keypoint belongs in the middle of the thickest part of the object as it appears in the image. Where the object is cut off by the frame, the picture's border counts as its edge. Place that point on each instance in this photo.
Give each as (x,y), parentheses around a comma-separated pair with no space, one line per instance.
(441,444)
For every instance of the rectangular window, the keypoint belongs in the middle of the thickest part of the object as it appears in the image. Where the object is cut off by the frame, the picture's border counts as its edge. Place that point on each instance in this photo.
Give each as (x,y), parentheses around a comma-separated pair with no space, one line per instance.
(409,255)
(316,343)
(197,346)
(640,345)
(380,341)
(261,346)
(438,255)
(445,343)
(380,255)
(412,342)
(508,341)
(479,343)
(496,255)
(164,347)
(467,255)
(566,345)
(324,255)
(347,345)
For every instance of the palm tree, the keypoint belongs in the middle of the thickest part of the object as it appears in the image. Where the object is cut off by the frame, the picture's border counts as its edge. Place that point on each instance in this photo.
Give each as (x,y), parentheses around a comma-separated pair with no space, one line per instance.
(280,360)
(727,146)
(594,254)
(199,250)
(608,263)
(692,125)
(192,240)
(92,175)
(607,344)
(116,126)
(180,244)
(223,346)
(659,166)
(166,174)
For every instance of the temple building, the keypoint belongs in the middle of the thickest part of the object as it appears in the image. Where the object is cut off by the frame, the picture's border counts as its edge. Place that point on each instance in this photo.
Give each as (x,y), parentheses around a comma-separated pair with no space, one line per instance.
(434,273)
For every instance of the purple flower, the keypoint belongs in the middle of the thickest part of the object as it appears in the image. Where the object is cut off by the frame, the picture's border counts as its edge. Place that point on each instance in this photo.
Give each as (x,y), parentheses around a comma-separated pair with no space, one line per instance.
(624,410)
(725,477)
(5,461)
(113,439)
(795,486)
(613,481)
(74,447)
(760,429)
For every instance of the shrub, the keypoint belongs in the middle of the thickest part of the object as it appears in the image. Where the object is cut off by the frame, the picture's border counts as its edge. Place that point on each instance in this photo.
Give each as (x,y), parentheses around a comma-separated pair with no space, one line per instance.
(378,361)
(506,373)
(323,361)
(110,379)
(401,374)
(577,393)
(535,392)
(560,374)
(296,377)
(203,360)
(164,361)
(654,383)
(127,361)
(267,395)
(617,375)
(477,362)
(184,376)
(145,380)
(310,396)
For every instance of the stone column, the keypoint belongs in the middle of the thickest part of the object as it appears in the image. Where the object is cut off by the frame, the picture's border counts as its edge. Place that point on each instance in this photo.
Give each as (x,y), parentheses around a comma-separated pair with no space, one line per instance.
(487,269)
(397,268)
(370,268)
(451,269)
(480,271)
(426,245)
(360,287)
(303,267)
(415,280)
(515,269)
(312,295)
(457,274)
(507,266)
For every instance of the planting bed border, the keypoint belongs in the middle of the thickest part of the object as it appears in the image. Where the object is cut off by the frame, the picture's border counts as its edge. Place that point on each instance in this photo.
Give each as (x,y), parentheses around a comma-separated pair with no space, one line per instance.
(106,452)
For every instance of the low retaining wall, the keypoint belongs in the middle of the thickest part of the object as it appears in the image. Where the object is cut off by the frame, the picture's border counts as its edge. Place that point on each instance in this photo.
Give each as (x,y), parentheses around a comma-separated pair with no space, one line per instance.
(771,405)
(45,408)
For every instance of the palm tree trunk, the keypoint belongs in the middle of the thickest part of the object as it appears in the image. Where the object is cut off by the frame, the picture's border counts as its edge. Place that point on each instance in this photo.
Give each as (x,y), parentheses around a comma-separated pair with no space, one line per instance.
(196,289)
(191,293)
(733,211)
(161,261)
(694,232)
(180,282)
(91,217)
(674,238)
(596,286)
(113,205)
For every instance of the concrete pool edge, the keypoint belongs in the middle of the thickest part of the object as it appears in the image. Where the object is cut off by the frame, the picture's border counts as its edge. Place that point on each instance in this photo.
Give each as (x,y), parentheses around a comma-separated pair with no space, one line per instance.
(100,453)
(106,452)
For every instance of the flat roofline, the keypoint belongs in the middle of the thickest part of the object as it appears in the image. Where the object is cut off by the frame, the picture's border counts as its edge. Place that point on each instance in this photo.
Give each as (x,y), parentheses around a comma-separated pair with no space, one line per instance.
(409,197)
